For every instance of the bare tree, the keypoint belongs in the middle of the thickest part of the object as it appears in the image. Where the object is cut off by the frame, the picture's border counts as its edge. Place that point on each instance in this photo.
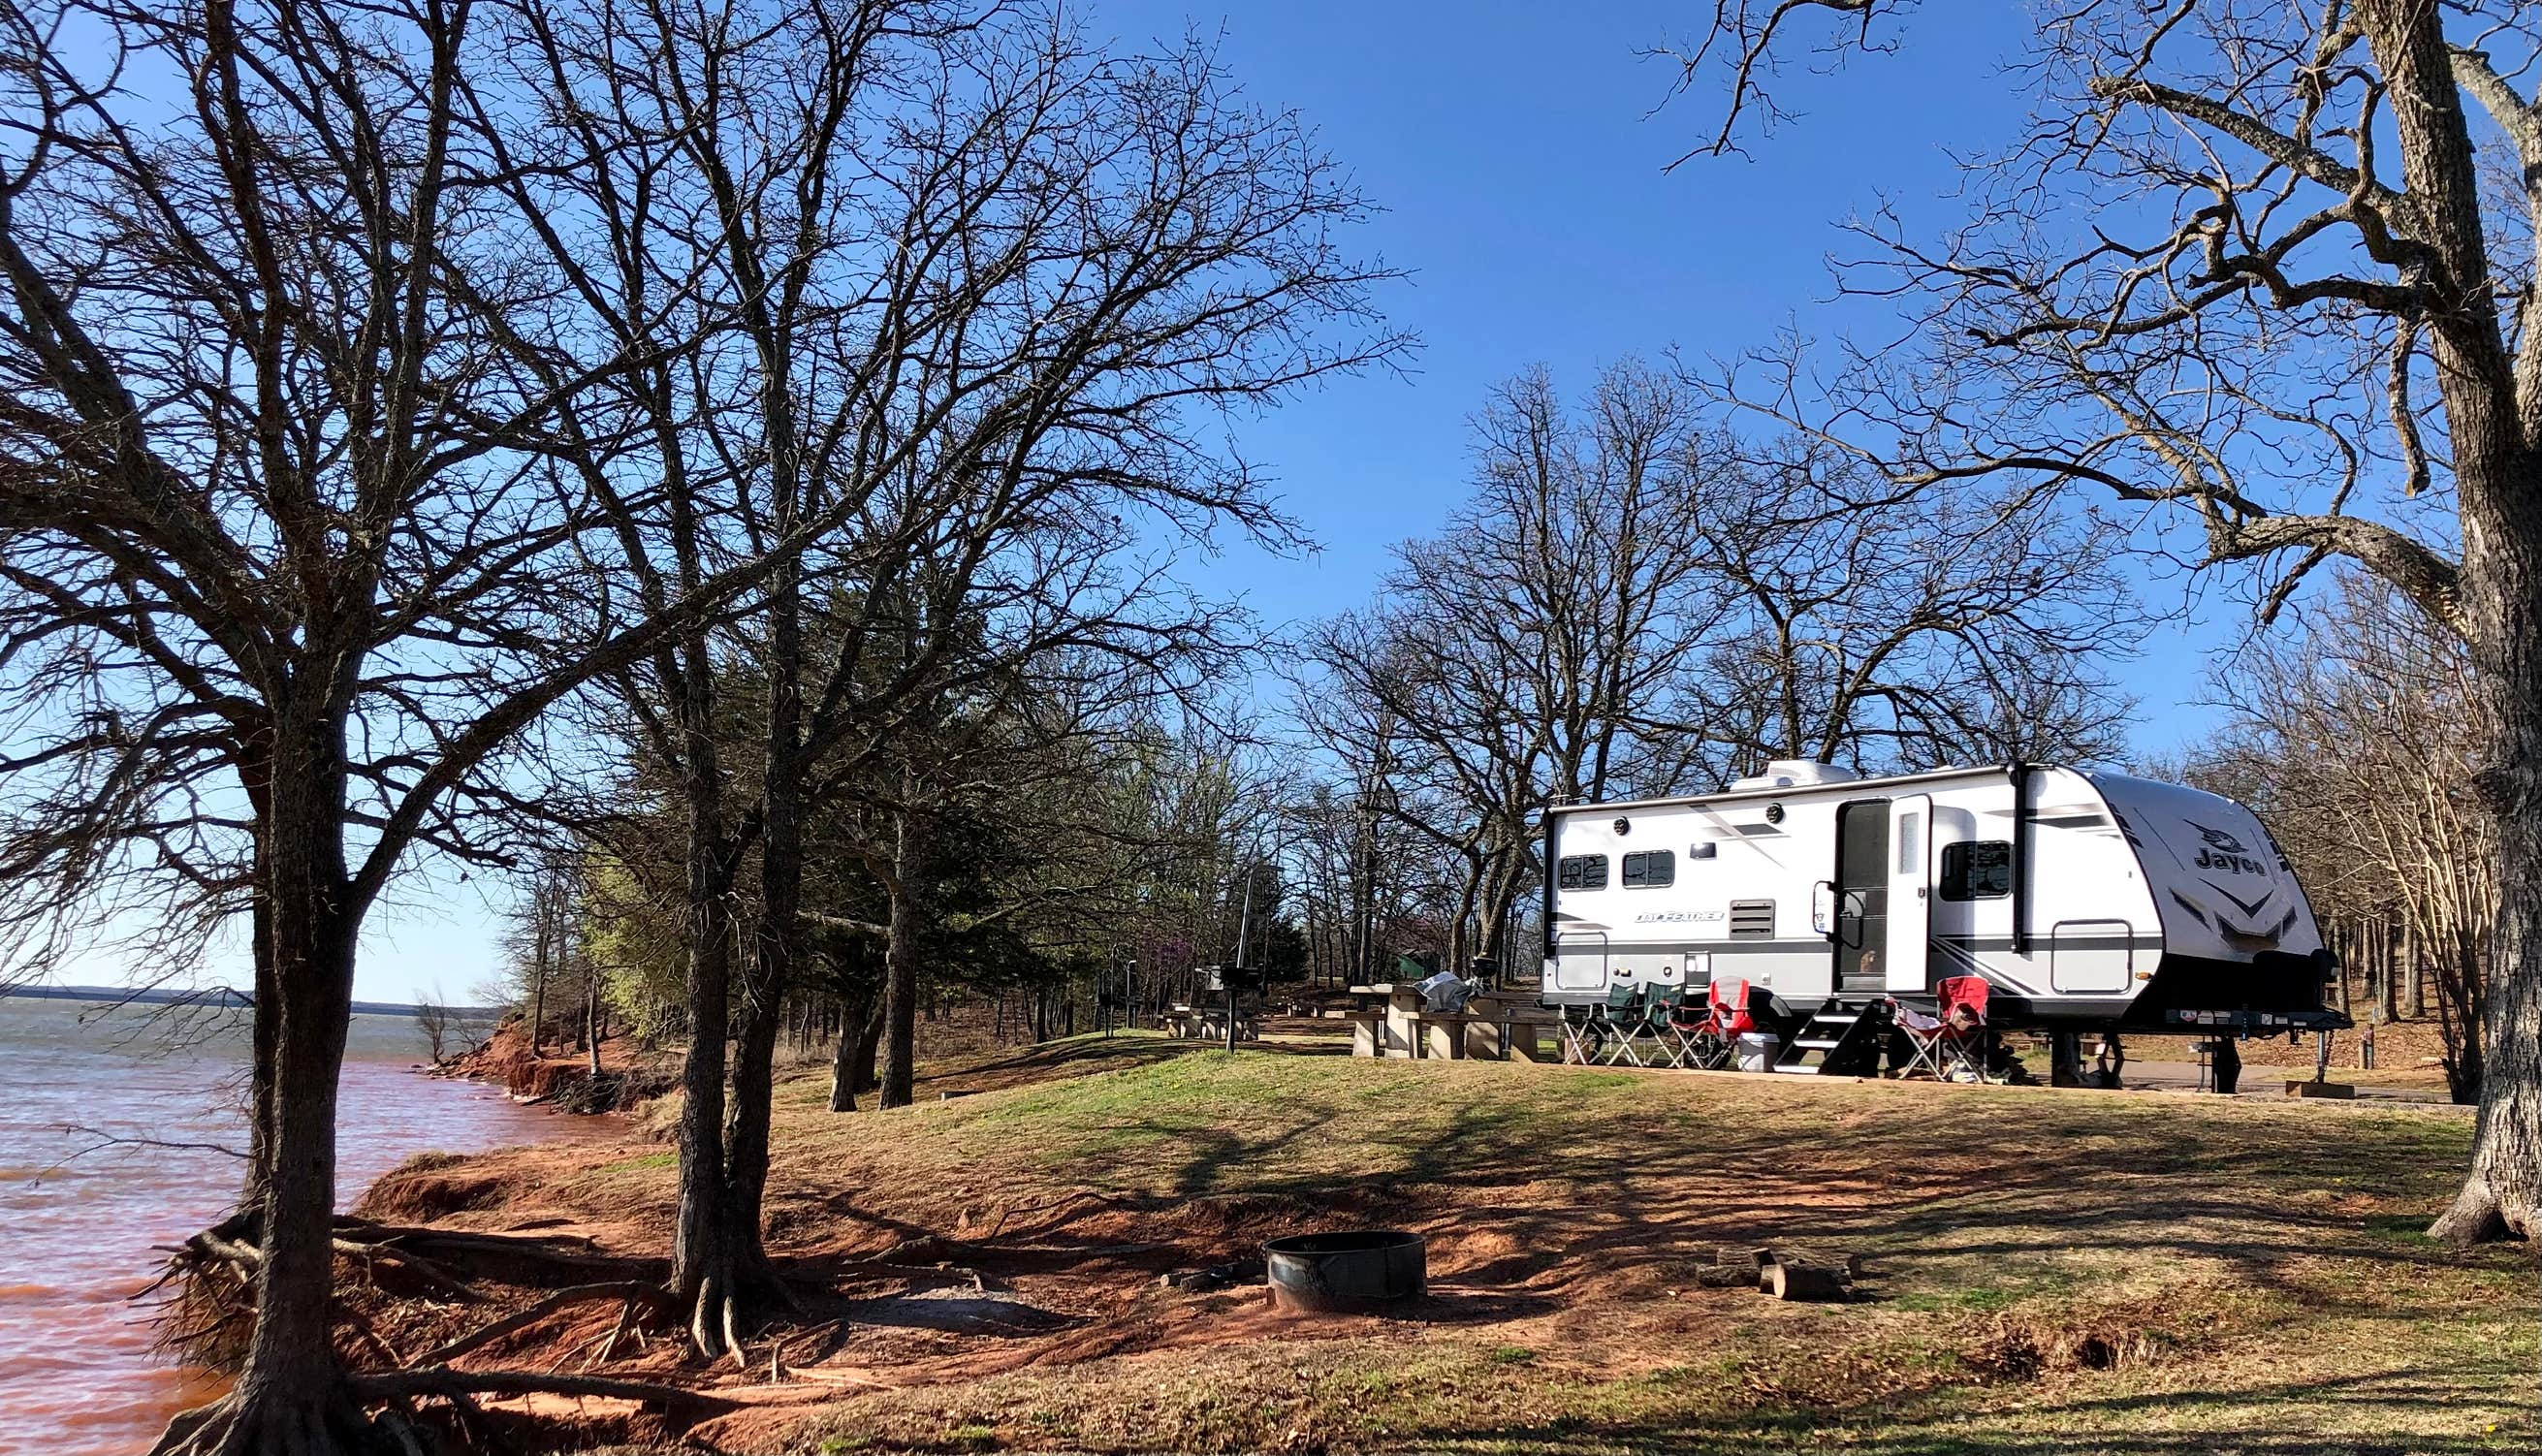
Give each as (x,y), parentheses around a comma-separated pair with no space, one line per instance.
(2358,740)
(539,945)
(969,290)
(281,498)
(1527,651)
(432,1018)
(1632,605)
(2250,269)
(1952,625)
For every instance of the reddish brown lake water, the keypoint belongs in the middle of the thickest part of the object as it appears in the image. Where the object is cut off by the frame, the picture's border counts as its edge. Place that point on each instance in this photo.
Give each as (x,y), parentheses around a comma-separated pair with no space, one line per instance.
(77,1377)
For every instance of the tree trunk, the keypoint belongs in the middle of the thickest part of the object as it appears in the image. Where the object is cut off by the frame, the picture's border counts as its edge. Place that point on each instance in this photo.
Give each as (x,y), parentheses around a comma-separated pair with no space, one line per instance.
(900,966)
(266,1040)
(291,1395)
(868,1034)
(539,971)
(776,950)
(2501,1195)
(2488,390)
(2393,948)
(701,1257)
(745,1153)
(842,1070)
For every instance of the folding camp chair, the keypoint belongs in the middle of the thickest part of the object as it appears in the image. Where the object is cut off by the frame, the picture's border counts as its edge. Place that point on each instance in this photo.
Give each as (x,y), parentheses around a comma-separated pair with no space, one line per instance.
(1726,1019)
(1923,1036)
(1639,1017)
(1596,1035)
(1669,1016)
(1620,1018)
(1963,1043)
(1586,1037)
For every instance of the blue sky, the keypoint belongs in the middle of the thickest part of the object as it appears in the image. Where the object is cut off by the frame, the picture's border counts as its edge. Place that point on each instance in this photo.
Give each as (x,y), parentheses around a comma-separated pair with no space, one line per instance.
(1523,180)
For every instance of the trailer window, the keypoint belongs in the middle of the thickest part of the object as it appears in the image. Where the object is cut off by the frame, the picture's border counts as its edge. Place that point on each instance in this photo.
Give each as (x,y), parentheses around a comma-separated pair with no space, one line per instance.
(1581,872)
(1979,869)
(1651,868)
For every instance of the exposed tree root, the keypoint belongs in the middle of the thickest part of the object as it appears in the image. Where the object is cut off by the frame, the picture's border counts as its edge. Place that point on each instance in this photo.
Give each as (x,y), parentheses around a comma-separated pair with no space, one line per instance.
(484,1335)
(538,1251)
(444,1382)
(412,1263)
(1083,1195)
(2480,1216)
(320,1419)
(332,1422)
(728,1304)
(214,1277)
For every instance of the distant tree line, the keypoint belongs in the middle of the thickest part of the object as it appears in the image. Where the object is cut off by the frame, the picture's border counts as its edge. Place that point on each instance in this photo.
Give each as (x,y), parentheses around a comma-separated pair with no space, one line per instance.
(2357,733)
(1633,604)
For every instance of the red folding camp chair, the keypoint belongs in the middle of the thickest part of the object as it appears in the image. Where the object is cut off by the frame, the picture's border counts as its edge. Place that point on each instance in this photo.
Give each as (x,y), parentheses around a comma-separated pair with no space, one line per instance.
(1726,1019)
(1961,1049)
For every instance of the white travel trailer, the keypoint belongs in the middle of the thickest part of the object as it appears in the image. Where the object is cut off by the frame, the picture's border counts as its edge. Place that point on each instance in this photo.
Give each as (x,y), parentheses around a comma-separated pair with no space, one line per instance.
(2088,901)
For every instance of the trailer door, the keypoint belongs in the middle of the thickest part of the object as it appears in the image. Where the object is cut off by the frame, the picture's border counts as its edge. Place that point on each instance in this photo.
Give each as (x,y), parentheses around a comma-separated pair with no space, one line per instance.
(1910,891)
(1862,897)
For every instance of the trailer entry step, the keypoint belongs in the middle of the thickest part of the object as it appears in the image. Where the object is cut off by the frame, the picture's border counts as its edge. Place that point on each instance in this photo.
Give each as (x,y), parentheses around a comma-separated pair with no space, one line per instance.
(1844,1040)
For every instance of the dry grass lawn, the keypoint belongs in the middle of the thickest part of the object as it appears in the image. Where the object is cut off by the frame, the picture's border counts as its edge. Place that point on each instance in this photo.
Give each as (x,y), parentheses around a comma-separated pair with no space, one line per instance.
(2054,1272)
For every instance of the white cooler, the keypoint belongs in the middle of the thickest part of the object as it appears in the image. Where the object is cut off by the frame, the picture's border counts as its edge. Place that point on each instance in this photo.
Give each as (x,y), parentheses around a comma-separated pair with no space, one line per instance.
(1757,1051)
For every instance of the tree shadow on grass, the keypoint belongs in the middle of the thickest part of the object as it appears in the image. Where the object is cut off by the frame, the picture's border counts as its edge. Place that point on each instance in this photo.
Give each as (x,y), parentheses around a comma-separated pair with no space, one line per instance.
(2151,1424)
(1049,1060)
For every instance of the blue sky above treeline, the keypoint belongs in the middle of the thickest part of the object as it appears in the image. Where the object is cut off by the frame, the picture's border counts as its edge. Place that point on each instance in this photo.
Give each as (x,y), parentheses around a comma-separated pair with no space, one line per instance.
(1520,153)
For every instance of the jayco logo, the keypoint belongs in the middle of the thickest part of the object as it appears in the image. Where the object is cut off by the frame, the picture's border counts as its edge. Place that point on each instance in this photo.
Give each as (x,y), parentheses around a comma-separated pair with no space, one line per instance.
(2225,852)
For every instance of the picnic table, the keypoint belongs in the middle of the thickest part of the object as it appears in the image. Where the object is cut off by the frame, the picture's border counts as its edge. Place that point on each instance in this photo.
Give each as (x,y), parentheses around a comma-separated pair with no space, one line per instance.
(1394,1019)
(1209,1024)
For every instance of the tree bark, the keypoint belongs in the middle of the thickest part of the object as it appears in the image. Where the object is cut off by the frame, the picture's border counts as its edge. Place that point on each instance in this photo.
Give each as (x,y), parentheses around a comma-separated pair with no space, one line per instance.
(2501,1195)
(291,1394)
(900,966)
(868,1034)
(701,1257)
(2491,409)
(842,1070)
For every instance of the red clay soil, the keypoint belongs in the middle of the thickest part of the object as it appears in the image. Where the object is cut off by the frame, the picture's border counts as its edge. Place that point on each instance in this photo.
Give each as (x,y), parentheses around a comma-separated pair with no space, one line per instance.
(1071,1280)
(558,1068)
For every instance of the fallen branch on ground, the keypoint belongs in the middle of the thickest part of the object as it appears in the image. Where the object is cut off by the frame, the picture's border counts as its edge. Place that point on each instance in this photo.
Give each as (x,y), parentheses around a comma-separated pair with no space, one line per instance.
(545,1249)
(1054,1206)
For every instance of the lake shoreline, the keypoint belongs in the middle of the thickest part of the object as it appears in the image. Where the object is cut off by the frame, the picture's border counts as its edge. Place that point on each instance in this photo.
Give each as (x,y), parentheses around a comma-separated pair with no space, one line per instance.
(80,1375)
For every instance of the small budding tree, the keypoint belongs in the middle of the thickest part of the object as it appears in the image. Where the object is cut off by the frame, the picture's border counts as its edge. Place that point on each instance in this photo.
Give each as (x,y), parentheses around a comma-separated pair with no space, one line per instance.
(2266,270)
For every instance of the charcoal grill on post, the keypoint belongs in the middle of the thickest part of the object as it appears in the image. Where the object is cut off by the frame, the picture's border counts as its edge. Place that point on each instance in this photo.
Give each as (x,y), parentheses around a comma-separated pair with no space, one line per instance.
(1350,1273)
